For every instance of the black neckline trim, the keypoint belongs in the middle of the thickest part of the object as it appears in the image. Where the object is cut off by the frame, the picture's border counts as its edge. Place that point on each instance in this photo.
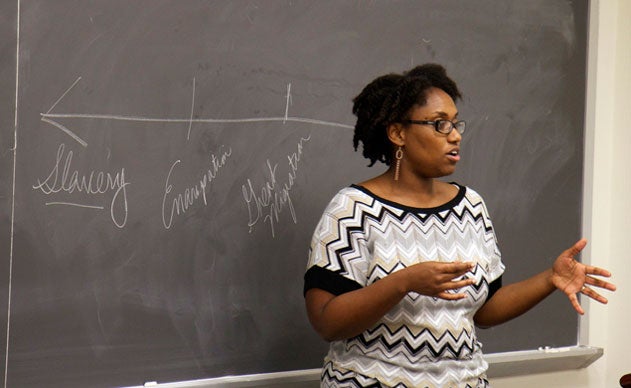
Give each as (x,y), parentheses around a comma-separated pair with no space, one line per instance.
(446,206)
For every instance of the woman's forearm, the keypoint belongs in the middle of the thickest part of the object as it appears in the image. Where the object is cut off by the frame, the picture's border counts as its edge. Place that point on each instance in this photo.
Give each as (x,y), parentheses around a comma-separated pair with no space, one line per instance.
(349,314)
(515,299)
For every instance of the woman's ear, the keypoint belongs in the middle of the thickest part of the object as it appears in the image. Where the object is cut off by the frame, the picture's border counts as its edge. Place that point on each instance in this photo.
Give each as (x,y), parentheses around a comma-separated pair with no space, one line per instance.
(396,134)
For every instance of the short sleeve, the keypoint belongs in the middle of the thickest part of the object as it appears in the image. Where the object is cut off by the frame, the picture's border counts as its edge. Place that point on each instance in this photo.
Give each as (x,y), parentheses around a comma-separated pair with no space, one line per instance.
(338,255)
(495,266)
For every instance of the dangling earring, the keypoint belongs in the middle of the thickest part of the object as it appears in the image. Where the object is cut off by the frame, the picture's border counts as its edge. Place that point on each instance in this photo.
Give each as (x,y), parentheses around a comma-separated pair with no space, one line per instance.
(397,166)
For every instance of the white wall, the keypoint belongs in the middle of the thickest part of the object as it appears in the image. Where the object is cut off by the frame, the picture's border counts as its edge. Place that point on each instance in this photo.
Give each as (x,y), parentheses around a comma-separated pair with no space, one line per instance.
(607,209)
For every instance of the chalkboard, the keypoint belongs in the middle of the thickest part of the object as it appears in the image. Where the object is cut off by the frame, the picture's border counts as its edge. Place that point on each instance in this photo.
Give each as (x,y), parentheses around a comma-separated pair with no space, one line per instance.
(7,114)
(173,158)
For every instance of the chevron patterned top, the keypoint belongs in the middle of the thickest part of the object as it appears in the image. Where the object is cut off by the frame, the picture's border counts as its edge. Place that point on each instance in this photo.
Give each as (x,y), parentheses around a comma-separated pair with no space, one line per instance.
(423,341)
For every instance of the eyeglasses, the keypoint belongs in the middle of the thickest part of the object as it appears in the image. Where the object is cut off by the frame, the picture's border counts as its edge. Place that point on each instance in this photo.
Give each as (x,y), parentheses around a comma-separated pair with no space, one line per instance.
(442,126)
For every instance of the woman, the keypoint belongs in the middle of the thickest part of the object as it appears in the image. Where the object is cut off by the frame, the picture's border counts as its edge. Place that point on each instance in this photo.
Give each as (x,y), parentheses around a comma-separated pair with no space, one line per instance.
(402,267)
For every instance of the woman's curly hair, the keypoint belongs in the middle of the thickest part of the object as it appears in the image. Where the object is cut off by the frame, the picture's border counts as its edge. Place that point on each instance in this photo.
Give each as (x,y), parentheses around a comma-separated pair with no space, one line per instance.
(388,99)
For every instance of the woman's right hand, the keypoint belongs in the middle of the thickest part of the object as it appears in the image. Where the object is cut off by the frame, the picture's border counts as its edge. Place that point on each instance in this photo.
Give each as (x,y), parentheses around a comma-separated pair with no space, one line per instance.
(349,314)
(438,279)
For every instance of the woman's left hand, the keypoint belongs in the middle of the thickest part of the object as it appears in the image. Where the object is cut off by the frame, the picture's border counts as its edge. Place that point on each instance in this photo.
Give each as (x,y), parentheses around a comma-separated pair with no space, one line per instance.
(572,277)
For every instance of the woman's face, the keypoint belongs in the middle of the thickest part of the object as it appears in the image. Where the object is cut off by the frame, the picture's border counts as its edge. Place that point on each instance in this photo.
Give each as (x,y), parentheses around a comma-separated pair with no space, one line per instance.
(427,152)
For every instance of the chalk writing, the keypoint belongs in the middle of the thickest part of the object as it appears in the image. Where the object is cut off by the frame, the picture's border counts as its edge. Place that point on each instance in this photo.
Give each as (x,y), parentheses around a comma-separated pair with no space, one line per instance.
(178,204)
(53,118)
(267,203)
(62,179)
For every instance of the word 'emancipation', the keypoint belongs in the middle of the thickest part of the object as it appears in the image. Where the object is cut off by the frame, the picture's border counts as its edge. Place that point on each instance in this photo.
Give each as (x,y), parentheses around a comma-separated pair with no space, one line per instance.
(181,202)
(272,198)
(62,179)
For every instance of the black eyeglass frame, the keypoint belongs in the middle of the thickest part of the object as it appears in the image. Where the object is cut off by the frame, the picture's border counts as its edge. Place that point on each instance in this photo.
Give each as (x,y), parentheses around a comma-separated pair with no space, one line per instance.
(437,125)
